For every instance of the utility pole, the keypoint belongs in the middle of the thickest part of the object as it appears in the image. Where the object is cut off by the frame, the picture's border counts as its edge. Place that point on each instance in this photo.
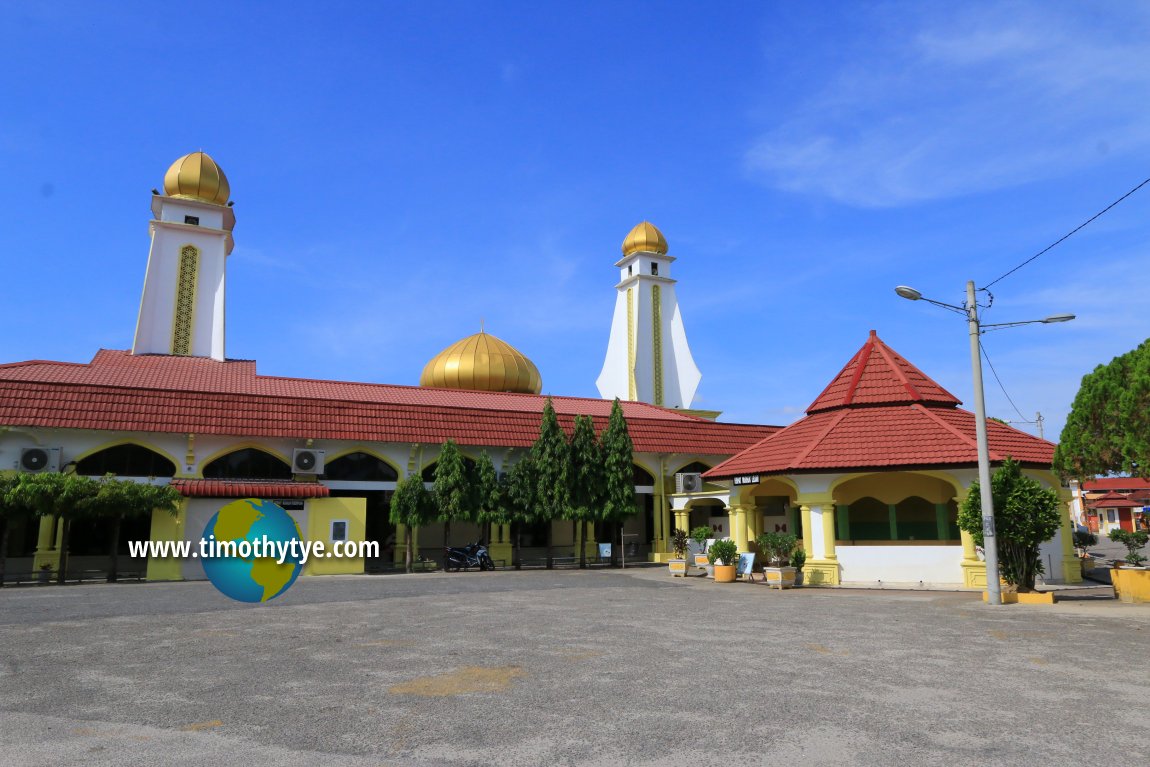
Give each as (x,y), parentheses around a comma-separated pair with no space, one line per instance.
(1038,420)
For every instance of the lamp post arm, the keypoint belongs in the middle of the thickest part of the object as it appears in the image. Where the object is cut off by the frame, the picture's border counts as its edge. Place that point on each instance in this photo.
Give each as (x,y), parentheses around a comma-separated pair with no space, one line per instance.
(989,541)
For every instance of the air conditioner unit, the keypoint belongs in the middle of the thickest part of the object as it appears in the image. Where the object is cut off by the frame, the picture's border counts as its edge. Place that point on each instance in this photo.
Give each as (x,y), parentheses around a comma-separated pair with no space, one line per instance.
(688,483)
(307,461)
(35,460)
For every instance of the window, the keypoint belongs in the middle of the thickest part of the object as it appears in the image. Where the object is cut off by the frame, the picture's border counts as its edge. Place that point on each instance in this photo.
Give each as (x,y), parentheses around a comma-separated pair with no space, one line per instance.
(654,268)
(248,463)
(630,268)
(338,530)
(193,220)
(1110,516)
(126,461)
(360,467)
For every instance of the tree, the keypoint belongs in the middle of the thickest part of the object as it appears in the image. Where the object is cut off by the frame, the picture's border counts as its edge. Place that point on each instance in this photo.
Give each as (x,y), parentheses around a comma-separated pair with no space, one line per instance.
(116,500)
(587,480)
(618,467)
(11,509)
(454,489)
(550,456)
(59,496)
(411,506)
(1108,429)
(486,490)
(1133,541)
(1025,515)
(517,501)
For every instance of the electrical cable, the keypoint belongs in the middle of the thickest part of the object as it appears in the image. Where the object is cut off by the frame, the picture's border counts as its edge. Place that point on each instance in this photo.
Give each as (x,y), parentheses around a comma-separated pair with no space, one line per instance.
(1075,231)
(990,364)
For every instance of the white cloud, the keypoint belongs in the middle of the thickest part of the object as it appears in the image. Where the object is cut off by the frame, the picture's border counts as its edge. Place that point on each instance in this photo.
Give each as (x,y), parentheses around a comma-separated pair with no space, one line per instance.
(974,98)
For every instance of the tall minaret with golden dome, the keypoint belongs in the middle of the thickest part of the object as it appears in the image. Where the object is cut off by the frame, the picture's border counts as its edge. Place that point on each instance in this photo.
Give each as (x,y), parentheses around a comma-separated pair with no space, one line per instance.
(182,308)
(648,359)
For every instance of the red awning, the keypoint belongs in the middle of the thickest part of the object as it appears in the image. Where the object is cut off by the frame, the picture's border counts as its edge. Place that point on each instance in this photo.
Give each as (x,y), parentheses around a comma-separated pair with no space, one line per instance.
(248,488)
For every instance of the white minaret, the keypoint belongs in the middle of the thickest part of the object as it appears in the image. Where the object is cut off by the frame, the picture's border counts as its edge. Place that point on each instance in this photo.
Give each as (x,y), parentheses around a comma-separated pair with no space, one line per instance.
(648,359)
(182,308)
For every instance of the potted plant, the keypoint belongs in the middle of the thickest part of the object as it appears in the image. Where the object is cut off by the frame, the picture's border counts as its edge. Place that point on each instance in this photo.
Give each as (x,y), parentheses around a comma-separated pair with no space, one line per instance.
(724,556)
(701,535)
(1130,578)
(678,565)
(798,559)
(1083,540)
(778,549)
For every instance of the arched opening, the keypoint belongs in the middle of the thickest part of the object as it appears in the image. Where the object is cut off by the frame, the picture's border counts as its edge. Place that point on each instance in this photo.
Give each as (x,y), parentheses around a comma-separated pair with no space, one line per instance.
(913,518)
(360,467)
(428,473)
(641,477)
(248,463)
(127,460)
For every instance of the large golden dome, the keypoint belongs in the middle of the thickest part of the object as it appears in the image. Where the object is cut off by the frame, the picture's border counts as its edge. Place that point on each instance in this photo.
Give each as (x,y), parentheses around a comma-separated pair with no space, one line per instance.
(645,238)
(197,177)
(482,362)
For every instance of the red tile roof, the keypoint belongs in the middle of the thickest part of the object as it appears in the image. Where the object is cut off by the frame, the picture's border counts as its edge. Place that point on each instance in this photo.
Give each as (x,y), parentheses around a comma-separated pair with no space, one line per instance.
(1116,483)
(881,412)
(155,393)
(877,375)
(254,488)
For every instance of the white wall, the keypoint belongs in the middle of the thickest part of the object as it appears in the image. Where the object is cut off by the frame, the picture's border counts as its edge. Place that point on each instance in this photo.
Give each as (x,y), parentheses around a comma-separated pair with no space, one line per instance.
(901,564)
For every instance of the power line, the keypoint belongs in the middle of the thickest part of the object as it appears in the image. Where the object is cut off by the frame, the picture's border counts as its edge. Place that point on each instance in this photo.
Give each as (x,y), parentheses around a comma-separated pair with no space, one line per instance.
(1075,231)
(990,364)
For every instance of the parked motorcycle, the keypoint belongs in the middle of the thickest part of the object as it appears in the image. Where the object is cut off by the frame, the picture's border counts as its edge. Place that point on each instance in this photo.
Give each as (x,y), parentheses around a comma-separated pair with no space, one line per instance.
(465,557)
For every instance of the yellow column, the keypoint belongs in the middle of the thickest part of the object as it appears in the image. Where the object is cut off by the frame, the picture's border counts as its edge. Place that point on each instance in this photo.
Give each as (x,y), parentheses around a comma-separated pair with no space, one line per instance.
(808,535)
(1071,564)
(822,567)
(46,553)
(739,529)
(398,556)
(973,569)
(754,524)
(828,510)
(500,547)
(166,527)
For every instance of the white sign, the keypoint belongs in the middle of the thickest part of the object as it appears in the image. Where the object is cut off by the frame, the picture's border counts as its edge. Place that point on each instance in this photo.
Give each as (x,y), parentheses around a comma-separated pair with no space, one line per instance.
(747,479)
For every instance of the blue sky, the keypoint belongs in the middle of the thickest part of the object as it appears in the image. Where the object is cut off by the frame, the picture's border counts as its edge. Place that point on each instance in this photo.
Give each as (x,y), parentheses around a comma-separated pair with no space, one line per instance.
(402,171)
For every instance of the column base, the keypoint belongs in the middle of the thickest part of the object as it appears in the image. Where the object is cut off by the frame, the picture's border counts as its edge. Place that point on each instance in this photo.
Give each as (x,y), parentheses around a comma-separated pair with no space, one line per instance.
(822,572)
(50,558)
(501,551)
(974,574)
(1071,570)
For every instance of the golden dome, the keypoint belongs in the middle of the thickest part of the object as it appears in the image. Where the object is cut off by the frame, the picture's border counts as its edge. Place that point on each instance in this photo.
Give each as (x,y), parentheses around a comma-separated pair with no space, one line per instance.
(196,176)
(645,238)
(482,362)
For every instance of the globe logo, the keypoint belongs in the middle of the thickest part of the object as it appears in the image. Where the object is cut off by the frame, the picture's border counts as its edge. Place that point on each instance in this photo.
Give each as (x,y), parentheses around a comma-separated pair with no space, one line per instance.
(242,541)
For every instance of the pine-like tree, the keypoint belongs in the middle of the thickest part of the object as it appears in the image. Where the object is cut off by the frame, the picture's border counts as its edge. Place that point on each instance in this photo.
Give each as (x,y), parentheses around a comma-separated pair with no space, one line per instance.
(454,489)
(413,507)
(587,481)
(517,501)
(618,467)
(1108,429)
(550,456)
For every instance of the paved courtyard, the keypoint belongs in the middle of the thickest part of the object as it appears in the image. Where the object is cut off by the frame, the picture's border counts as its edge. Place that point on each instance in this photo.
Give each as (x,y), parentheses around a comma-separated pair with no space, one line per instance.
(565,668)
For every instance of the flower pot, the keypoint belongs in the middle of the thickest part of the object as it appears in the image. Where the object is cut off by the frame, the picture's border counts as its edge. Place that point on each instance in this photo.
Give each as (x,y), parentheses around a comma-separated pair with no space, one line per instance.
(701,560)
(1087,564)
(798,577)
(780,577)
(678,567)
(725,573)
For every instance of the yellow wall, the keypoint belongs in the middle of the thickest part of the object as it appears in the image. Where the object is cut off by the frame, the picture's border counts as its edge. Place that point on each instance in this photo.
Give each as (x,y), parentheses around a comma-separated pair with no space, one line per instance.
(321,512)
(166,527)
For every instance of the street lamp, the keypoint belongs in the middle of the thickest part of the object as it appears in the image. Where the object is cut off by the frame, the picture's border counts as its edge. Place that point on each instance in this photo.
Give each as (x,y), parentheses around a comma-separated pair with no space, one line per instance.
(989,540)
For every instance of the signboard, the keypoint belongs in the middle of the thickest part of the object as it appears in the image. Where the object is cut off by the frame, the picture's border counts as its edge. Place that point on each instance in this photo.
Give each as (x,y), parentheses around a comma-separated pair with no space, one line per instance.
(988,527)
(747,479)
(288,504)
(746,563)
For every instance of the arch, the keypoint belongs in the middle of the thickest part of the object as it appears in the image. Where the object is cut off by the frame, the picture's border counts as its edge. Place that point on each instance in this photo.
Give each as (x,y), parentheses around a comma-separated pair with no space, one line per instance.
(640,477)
(248,463)
(428,473)
(360,466)
(126,459)
(694,467)
(893,486)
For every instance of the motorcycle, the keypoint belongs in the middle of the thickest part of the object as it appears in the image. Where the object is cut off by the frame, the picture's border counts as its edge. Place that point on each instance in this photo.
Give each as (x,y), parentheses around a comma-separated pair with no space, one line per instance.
(465,557)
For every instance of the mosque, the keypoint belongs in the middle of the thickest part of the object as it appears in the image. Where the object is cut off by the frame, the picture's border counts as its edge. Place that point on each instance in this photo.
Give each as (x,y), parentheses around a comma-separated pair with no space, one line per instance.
(870,478)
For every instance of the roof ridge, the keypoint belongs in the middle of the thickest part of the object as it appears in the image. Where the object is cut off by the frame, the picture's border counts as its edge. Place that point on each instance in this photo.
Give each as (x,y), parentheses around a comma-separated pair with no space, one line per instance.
(898,371)
(839,416)
(930,414)
(864,358)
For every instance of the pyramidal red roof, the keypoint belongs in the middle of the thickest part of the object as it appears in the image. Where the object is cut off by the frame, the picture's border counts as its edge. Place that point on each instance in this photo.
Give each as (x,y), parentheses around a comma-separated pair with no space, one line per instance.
(882,412)
(878,375)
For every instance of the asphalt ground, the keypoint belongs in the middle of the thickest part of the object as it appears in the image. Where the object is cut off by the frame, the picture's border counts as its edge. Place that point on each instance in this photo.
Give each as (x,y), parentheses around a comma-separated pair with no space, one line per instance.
(565,668)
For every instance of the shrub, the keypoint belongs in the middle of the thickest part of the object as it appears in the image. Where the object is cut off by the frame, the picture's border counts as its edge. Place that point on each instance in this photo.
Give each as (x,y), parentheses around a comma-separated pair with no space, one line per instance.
(725,550)
(1133,542)
(679,542)
(701,535)
(778,548)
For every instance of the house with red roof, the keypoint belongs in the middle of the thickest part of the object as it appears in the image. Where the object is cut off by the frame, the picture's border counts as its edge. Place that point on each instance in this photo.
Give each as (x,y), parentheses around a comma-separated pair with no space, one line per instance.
(1111,503)
(873,475)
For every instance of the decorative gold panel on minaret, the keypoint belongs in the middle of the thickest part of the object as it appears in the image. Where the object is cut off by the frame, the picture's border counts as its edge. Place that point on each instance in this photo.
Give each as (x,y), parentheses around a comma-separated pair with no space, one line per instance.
(185,301)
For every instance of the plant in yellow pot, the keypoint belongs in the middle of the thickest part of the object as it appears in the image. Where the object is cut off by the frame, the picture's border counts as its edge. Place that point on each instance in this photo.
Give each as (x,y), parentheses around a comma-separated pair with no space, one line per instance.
(724,555)
(700,535)
(778,548)
(679,565)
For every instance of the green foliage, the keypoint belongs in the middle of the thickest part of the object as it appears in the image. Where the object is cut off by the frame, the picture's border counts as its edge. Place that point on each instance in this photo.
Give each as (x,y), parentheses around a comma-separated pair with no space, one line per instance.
(618,461)
(778,548)
(455,494)
(1108,429)
(552,461)
(1084,539)
(411,506)
(701,535)
(587,478)
(679,541)
(487,491)
(724,552)
(1133,543)
(1025,515)
(518,493)
(798,558)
